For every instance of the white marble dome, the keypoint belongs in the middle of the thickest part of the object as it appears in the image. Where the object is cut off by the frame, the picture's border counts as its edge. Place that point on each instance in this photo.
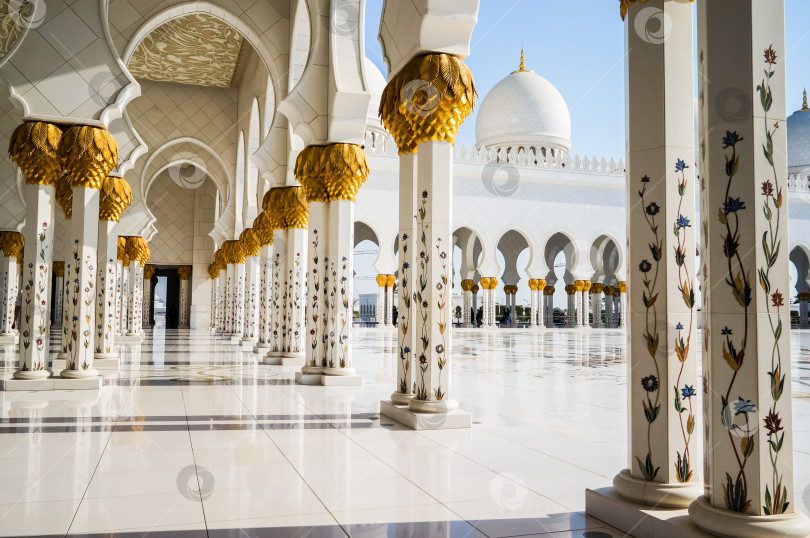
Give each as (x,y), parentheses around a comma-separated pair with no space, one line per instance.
(798,139)
(376,85)
(524,110)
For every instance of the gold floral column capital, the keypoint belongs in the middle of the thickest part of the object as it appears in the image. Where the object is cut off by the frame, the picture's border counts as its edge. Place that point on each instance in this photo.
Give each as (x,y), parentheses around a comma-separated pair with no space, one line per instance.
(184,271)
(287,207)
(89,154)
(59,269)
(621,287)
(381,280)
(597,288)
(390,280)
(624,5)
(232,252)
(116,195)
(34,147)
(249,242)
(427,100)
(148,271)
(467,284)
(262,226)
(213,270)
(12,244)
(64,196)
(548,290)
(570,289)
(137,249)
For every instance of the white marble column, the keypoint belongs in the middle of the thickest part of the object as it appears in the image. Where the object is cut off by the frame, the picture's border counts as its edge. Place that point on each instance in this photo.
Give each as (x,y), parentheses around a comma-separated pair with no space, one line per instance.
(36,276)
(82,268)
(489,285)
(620,294)
(222,300)
(265,310)
(135,306)
(571,316)
(474,312)
(106,285)
(278,295)
(380,314)
(585,304)
(238,298)
(296,293)
(596,304)
(250,334)
(548,307)
(341,262)
(8,265)
(747,400)
(214,273)
(317,327)
(184,271)
(406,310)
(466,312)
(433,282)
(146,310)
(125,297)
(389,300)
(662,367)
(55,292)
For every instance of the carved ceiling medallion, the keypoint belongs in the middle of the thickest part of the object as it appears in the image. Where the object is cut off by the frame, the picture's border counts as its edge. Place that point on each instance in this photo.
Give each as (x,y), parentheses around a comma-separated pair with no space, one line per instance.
(194,49)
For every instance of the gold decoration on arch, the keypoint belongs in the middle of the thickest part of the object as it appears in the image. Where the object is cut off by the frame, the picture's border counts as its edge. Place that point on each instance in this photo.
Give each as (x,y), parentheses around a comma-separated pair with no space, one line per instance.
(89,154)
(249,242)
(116,195)
(427,100)
(34,147)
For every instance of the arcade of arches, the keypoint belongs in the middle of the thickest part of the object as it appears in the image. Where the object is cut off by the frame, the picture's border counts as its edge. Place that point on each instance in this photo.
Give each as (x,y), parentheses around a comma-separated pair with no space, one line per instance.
(252,286)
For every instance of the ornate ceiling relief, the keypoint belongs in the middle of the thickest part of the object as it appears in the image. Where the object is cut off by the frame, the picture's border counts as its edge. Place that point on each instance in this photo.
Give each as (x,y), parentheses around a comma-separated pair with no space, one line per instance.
(194,49)
(13,17)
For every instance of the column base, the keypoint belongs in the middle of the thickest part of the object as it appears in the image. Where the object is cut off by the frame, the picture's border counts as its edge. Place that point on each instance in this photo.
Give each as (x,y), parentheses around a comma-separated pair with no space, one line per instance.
(273,358)
(405,415)
(52,383)
(78,374)
(9,339)
(292,360)
(312,370)
(353,380)
(129,338)
(339,371)
(735,525)
(400,398)
(432,406)
(258,348)
(30,375)
(638,520)
(112,355)
(656,494)
(106,362)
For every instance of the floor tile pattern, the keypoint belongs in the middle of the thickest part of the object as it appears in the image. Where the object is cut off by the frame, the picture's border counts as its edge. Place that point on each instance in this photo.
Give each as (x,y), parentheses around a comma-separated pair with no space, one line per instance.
(192,437)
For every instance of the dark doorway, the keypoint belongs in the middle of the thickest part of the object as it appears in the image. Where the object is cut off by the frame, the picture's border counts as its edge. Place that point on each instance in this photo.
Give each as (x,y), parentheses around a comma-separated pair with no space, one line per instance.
(172,294)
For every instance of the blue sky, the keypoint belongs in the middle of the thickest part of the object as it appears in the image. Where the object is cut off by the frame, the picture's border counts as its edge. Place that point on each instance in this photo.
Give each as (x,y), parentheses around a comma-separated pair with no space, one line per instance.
(579,47)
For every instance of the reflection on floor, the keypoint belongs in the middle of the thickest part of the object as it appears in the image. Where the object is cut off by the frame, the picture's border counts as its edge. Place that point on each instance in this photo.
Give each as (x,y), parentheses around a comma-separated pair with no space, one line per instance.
(192,438)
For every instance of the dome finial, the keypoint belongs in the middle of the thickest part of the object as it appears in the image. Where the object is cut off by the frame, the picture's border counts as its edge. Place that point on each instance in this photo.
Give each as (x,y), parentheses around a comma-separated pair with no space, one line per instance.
(522,63)
(804,108)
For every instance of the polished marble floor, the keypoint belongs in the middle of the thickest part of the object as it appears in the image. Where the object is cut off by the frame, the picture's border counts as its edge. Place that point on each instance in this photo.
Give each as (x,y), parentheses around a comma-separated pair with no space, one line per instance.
(190,437)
